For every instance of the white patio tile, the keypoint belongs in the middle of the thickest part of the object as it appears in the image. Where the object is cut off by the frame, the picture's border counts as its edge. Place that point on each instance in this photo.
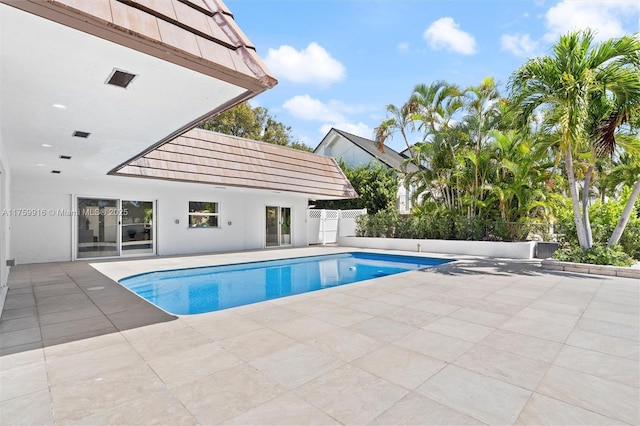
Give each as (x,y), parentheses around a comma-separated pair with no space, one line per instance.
(523,345)
(416,409)
(542,330)
(22,380)
(435,345)
(345,344)
(29,409)
(76,400)
(304,328)
(609,329)
(351,395)
(434,307)
(463,330)
(296,365)
(287,409)
(256,344)
(159,408)
(489,400)
(158,345)
(503,365)
(479,316)
(190,364)
(599,364)
(398,365)
(218,397)
(383,329)
(548,317)
(617,346)
(593,393)
(542,410)
(86,364)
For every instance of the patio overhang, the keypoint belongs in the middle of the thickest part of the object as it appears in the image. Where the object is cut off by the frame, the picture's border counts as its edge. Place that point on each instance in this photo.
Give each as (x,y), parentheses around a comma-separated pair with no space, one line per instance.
(188,58)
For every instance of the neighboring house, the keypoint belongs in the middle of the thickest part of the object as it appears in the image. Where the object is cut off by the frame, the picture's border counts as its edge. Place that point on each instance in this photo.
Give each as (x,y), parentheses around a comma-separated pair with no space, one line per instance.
(98,152)
(355,150)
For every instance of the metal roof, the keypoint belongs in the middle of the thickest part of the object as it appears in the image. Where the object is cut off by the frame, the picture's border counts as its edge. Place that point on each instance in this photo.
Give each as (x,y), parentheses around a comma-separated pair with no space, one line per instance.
(206,157)
(389,157)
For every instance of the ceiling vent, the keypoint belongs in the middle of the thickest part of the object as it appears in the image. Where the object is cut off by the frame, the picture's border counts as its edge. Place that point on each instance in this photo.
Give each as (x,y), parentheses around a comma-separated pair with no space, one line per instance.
(79,134)
(65,157)
(120,78)
(56,172)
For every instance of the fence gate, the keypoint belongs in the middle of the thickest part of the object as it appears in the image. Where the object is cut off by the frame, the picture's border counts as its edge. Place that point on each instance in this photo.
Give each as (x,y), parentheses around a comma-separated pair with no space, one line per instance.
(324,226)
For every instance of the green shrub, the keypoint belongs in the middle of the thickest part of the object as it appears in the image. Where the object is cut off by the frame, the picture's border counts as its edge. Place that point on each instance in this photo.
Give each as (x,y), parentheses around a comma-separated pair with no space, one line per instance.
(599,254)
(604,218)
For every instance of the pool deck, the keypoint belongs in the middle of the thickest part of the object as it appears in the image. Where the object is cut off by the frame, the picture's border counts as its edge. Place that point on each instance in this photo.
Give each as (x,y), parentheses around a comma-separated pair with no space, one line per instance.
(478,341)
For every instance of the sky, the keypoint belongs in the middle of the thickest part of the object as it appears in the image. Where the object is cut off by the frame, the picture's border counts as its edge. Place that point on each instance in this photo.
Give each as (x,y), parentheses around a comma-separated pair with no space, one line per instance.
(340,62)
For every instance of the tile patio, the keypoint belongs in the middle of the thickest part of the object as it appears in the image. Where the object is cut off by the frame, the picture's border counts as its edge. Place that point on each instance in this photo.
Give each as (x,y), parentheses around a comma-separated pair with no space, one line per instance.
(479,341)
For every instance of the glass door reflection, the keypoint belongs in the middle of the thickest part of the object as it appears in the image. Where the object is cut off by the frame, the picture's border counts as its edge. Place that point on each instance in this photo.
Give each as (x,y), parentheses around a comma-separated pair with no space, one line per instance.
(97,228)
(137,227)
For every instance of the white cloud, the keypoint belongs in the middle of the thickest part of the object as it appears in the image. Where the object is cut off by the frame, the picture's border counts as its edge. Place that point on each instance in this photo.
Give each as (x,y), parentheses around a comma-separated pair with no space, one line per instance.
(305,107)
(358,129)
(333,113)
(402,47)
(310,65)
(444,33)
(519,45)
(603,16)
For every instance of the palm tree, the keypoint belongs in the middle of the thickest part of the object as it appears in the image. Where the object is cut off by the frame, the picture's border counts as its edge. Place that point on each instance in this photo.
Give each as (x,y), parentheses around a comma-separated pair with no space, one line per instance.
(401,120)
(565,86)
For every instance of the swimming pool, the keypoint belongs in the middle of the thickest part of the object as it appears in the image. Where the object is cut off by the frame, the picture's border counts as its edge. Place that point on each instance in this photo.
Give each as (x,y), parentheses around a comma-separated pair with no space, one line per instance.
(212,288)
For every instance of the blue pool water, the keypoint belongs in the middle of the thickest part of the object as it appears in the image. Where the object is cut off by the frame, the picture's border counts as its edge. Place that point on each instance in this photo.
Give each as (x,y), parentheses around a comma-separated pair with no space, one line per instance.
(212,288)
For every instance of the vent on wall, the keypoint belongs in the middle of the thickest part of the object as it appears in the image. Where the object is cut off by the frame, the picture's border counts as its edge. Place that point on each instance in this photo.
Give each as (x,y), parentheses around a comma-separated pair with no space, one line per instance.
(120,78)
(65,157)
(79,134)
(56,172)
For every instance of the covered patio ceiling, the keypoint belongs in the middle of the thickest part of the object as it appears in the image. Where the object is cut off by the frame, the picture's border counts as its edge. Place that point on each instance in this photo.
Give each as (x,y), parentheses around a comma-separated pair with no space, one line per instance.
(189,59)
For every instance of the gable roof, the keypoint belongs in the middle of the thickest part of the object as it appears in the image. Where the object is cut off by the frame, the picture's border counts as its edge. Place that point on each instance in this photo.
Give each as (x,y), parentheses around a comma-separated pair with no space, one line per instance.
(389,157)
(202,156)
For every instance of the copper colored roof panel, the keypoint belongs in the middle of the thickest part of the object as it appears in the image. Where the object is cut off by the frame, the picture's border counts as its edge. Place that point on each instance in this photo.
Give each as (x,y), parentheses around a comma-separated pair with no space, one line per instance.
(213,158)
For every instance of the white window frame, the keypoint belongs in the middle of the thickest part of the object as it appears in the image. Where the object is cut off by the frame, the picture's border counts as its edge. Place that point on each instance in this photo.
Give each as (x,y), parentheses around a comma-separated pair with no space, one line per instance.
(201,214)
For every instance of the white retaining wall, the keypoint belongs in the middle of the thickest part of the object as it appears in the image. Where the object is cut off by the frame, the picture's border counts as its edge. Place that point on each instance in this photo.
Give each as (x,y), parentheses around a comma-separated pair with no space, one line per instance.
(509,250)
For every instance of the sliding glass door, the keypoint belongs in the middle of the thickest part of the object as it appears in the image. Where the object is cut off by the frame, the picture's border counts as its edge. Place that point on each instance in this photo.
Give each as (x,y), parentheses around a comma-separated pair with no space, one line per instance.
(278,226)
(137,227)
(97,228)
(113,227)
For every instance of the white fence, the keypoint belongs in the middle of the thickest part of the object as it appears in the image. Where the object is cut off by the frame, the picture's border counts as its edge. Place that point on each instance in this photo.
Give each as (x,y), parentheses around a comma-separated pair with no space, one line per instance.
(325,226)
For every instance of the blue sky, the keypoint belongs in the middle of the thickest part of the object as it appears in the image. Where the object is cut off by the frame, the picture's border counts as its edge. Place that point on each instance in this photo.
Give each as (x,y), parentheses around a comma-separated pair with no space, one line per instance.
(340,62)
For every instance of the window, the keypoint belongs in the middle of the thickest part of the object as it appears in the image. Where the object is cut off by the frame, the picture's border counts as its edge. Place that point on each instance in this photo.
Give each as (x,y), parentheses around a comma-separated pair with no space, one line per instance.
(203,215)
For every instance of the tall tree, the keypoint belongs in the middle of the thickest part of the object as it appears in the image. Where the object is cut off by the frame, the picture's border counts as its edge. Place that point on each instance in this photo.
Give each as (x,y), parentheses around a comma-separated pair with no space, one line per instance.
(253,123)
(375,183)
(564,87)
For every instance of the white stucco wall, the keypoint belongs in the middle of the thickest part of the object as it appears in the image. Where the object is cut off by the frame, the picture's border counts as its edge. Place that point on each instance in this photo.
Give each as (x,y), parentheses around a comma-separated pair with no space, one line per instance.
(508,250)
(50,238)
(5,220)
(349,152)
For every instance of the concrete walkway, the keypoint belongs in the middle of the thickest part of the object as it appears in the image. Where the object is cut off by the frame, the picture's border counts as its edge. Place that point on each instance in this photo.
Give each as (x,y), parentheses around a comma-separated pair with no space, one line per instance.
(480,341)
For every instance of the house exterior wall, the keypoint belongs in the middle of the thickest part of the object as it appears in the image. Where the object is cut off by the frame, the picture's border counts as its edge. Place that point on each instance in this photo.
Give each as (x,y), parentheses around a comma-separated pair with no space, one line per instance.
(50,237)
(5,219)
(340,148)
